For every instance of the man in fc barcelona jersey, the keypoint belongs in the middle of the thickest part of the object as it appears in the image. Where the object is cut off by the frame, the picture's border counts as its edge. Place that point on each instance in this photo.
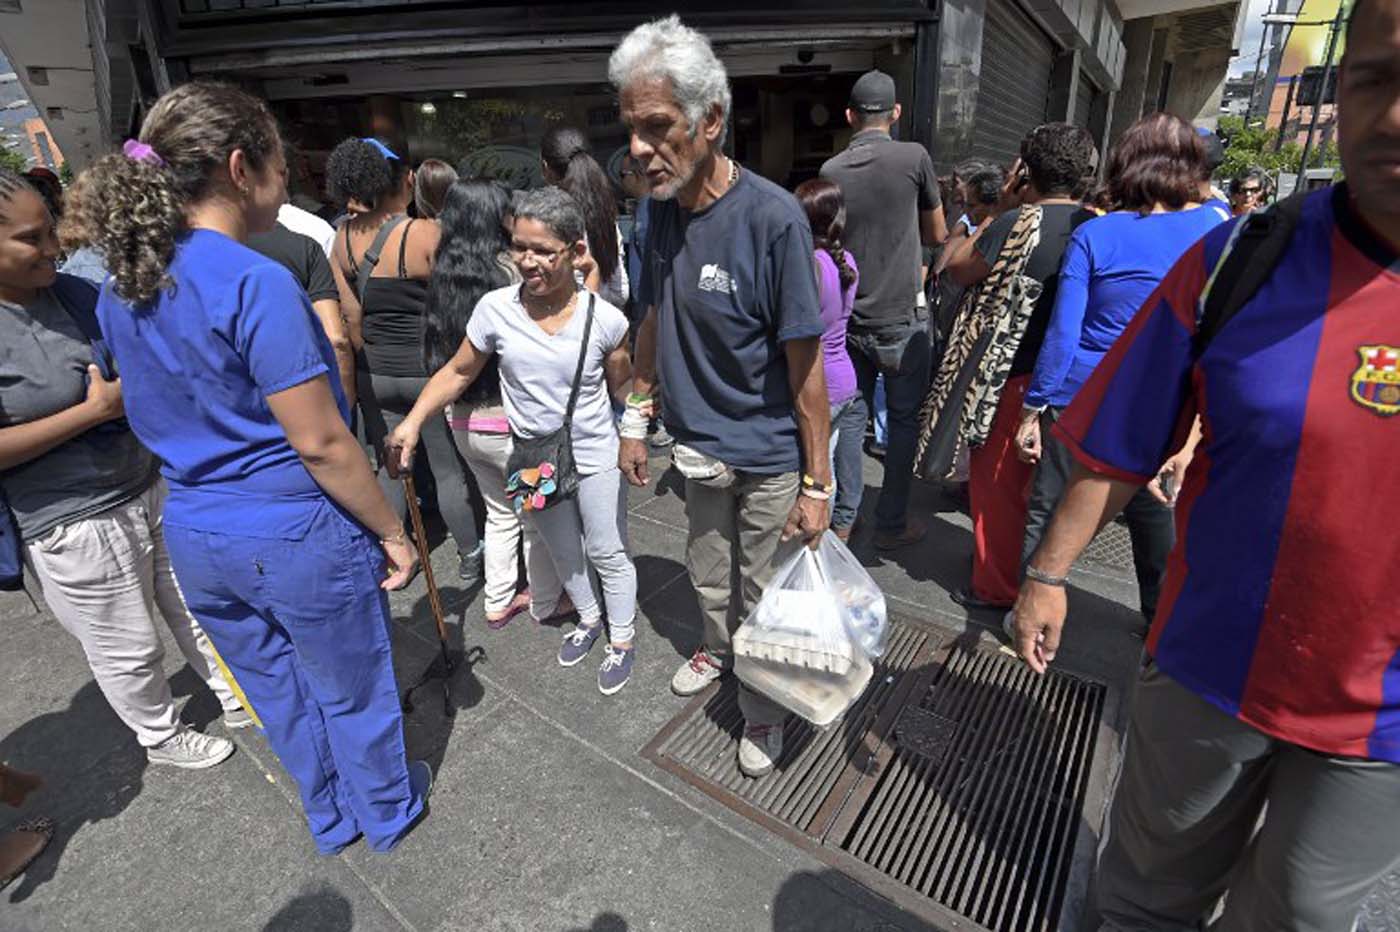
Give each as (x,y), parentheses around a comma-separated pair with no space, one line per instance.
(1274,685)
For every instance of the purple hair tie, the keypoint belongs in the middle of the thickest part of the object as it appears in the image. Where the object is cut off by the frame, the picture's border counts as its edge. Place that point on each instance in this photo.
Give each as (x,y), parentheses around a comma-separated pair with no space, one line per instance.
(141,152)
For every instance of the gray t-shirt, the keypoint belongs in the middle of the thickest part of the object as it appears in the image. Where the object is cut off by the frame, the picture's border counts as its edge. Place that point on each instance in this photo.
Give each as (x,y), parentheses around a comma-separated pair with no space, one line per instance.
(537,371)
(886,184)
(43,370)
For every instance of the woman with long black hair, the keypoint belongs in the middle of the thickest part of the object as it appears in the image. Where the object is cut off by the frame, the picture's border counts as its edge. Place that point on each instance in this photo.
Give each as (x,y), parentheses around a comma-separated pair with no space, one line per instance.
(473,258)
(382,261)
(568,164)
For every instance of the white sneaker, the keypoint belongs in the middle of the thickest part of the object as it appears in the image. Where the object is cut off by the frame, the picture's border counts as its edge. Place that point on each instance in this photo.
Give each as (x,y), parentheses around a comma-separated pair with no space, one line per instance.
(759,749)
(191,750)
(696,673)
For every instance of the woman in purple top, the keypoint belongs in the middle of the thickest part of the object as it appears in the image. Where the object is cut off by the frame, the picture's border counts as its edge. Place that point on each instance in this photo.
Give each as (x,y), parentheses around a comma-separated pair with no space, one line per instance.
(836,283)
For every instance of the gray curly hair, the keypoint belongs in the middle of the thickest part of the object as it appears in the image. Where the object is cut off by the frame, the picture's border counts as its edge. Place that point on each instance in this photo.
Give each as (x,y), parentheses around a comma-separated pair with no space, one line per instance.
(553,207)
(667,48)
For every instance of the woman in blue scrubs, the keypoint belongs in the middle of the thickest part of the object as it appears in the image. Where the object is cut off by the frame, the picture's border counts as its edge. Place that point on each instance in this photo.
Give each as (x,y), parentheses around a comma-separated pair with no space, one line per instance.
(278,532)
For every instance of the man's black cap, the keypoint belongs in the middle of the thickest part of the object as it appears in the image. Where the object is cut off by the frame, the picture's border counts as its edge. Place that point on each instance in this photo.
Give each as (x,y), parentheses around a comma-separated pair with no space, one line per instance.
(873,93)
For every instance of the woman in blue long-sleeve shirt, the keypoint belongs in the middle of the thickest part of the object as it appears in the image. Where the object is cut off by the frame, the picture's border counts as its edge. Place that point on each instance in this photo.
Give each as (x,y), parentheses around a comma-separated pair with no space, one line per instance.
(1111,267)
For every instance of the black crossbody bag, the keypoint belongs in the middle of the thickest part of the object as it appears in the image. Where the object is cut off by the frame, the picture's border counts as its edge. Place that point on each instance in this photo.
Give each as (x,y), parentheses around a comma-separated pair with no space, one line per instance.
(540,471)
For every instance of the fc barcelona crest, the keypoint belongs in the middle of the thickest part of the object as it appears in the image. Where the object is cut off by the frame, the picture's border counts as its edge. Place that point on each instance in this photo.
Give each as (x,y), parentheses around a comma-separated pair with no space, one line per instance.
(1376,382)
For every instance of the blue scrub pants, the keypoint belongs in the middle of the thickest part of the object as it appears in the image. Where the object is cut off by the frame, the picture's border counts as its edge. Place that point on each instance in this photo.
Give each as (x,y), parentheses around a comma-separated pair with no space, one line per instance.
(303,625)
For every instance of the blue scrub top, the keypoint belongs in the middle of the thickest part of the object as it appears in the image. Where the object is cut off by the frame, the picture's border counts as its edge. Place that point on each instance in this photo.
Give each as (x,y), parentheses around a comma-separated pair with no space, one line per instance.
(197,365)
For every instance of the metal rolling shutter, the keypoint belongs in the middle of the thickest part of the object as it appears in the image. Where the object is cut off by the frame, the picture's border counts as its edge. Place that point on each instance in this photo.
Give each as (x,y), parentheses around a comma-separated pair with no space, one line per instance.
(1084,101)
(1014,85)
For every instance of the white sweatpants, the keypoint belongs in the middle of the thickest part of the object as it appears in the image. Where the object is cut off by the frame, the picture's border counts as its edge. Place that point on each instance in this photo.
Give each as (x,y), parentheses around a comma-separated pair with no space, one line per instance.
(103,578)
(486,456)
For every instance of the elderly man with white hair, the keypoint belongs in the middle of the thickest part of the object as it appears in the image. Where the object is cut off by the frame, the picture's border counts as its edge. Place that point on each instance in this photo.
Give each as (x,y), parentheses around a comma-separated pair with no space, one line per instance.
(732,331)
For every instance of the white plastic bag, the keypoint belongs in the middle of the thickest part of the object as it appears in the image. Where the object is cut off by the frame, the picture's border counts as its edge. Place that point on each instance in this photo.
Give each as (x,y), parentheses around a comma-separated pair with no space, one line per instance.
(808,643)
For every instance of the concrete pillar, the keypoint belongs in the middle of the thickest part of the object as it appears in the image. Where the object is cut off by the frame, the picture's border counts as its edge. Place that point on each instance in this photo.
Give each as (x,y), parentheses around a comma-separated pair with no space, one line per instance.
(1131,98)
(1101,125)
(1198,82)
(1064,88)
(1158,70)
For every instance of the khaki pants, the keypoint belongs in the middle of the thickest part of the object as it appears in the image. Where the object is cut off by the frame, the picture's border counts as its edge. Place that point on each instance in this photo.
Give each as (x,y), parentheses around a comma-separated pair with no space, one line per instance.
(103,578)
(1182,828)
(734,535)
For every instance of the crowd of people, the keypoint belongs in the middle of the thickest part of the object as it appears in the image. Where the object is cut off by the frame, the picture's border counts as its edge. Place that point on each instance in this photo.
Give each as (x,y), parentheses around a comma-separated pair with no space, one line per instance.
(225,391)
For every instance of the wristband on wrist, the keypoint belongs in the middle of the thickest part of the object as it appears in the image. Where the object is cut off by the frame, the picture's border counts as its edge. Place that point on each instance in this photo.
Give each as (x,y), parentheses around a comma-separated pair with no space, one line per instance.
(1045,579)
(634,424)
(635,400)
(809,483)
(818,496)
(400,538)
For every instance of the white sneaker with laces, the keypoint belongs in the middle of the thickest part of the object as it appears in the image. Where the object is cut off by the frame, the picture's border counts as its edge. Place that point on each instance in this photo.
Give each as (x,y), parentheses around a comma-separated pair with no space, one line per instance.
(191,750)
(759,749)
(696,673)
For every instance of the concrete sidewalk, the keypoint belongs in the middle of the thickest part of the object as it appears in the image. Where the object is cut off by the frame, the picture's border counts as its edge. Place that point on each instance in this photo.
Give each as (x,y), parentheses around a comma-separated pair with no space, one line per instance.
(543,817)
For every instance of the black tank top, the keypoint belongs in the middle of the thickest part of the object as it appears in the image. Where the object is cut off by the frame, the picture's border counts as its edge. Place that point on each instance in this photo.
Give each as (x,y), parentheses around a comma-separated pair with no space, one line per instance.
(393,317)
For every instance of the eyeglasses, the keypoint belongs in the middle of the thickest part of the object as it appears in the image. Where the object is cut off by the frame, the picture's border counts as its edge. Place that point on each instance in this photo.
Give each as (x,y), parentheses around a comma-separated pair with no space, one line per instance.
(1249,192)
(543,256)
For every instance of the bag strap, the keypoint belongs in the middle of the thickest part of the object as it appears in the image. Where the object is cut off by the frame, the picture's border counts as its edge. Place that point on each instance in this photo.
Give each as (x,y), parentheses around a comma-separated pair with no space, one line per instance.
(582,358)
(78,298)
(1248,260)
(371,257)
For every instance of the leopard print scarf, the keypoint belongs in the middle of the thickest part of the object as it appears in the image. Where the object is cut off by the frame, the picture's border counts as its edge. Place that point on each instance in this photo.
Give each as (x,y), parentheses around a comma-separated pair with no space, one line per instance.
(991,321)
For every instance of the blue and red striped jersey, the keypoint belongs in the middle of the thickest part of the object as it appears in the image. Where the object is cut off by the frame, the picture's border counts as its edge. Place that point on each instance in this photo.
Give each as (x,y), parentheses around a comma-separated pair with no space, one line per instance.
(1279,605)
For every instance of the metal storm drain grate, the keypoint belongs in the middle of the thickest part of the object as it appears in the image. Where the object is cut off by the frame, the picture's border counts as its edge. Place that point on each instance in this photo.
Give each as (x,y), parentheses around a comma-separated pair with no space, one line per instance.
(978,805)
(1111,547)
(961,785)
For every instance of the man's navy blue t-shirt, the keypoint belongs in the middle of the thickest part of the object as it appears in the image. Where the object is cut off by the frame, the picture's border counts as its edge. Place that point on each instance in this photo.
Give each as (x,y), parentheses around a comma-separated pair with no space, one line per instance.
(731,284)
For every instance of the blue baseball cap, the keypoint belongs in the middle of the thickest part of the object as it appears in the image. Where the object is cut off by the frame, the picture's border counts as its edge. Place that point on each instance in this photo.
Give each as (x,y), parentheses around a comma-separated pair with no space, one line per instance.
(383,149)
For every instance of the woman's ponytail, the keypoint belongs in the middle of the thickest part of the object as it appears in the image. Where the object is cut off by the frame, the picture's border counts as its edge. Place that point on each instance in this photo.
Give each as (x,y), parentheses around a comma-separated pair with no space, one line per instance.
(133,204)
(565,151)
(821,200)
(133,214)
(844,269)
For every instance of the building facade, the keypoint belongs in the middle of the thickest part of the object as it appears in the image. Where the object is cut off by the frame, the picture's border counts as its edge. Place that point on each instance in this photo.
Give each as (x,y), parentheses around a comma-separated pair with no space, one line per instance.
(478,82)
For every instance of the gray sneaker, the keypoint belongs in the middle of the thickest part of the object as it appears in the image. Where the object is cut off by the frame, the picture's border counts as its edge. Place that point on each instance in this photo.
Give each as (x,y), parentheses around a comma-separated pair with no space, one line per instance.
(578,642)
(696,673)
(191,750)
(616,669)
(235,719)
(759,749)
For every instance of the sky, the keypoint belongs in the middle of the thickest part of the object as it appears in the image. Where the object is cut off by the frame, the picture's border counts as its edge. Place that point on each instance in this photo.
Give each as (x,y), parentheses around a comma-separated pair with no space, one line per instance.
(1249,48)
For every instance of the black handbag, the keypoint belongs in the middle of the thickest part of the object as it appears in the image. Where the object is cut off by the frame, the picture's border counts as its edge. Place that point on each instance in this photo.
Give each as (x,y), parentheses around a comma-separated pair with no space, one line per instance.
(540,471)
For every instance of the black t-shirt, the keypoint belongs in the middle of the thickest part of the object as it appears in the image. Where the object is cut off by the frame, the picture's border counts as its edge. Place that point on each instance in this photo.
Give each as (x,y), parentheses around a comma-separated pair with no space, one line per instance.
(1057,222)
(302,256)
(886,185)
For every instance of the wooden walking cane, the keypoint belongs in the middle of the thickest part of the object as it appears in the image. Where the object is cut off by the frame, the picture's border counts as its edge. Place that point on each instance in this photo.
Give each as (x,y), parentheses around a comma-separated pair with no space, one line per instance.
(434,671)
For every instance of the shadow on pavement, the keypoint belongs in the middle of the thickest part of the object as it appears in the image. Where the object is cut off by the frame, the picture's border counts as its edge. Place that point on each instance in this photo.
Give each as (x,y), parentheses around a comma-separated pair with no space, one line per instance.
(428,713)
(811,901)
(78,789)
(604,922)
(321,910)
(676,617)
